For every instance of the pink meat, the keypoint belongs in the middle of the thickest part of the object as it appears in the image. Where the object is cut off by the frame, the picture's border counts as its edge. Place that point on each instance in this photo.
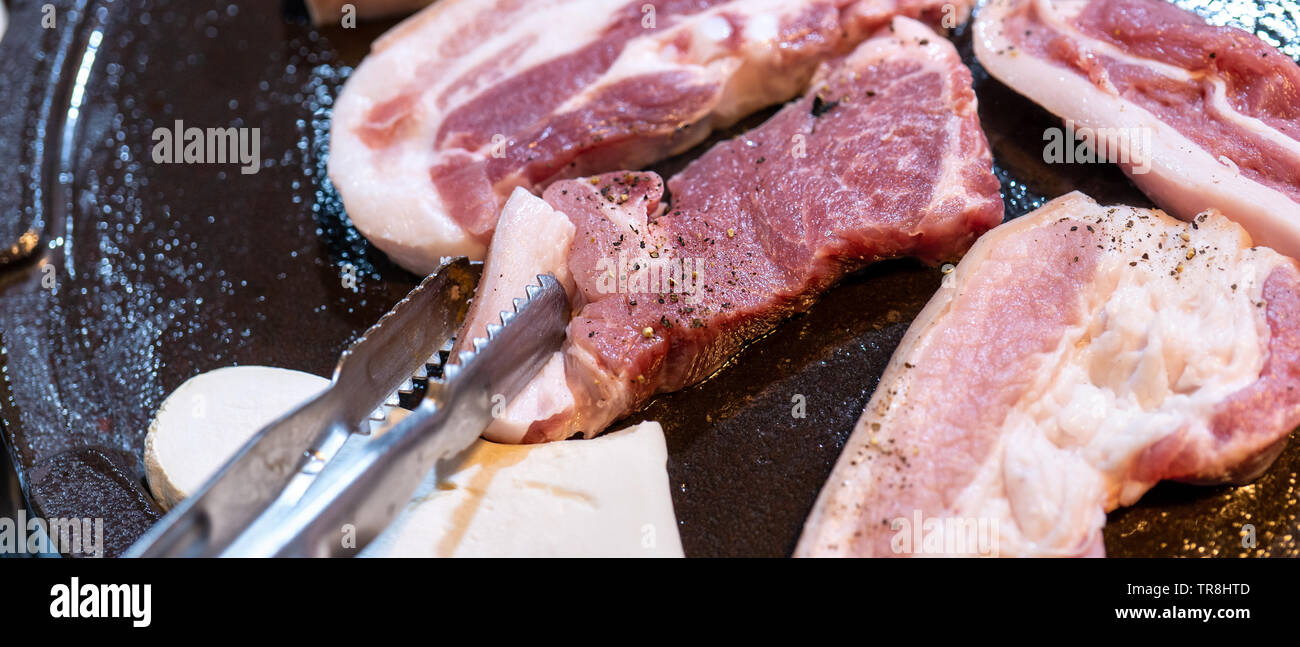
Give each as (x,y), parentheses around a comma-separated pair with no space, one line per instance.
(1075,357)
(468,100)
(1222,106)
(883,158)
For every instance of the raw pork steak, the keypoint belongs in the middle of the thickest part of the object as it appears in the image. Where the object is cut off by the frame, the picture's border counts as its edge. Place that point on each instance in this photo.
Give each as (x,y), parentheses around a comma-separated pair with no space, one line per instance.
(884,157)
(1076,356)
(1219,107)
(467,100)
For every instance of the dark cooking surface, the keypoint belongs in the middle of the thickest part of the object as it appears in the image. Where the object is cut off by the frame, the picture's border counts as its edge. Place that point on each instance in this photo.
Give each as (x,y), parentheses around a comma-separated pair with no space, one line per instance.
(149,274)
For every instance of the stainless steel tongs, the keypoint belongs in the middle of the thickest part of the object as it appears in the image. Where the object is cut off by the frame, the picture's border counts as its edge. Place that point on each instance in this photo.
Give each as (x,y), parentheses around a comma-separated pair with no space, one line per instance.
(315,482)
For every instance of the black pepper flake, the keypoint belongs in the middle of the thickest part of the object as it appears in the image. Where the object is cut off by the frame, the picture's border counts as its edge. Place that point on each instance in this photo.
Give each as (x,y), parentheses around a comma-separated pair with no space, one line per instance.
(821,106)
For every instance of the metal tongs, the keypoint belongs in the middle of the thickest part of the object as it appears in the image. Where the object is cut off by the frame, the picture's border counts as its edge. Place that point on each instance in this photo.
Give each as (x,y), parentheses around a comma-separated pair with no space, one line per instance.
(317,482)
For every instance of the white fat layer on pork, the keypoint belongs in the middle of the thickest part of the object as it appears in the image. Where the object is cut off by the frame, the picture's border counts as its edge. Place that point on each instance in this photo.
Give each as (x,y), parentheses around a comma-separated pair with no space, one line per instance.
(531,239)
(1155,356)
(1058,14)
(1184,179)
(1152,358)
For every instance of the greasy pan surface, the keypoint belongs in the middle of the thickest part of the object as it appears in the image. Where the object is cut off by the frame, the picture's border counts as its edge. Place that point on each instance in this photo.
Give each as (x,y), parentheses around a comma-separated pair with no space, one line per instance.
(148,274)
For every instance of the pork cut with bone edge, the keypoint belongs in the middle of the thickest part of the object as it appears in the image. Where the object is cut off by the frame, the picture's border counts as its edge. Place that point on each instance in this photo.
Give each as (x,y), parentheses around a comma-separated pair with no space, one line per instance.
(883,158)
